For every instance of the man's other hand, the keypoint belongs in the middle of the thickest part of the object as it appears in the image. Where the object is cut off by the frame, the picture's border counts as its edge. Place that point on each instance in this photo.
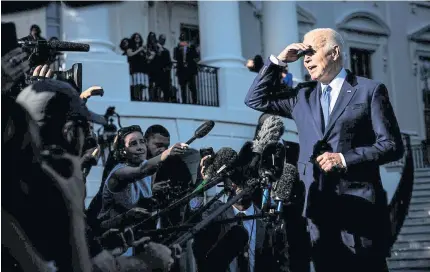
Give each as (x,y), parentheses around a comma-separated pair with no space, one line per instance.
(330,161)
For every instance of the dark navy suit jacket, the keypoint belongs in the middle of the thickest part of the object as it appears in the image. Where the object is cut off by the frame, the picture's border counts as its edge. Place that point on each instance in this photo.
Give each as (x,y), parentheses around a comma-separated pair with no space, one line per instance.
(362,126)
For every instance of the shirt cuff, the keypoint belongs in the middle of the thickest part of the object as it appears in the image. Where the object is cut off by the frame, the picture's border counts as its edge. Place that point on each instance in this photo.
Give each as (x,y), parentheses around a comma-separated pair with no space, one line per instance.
(276,61)
(343,159)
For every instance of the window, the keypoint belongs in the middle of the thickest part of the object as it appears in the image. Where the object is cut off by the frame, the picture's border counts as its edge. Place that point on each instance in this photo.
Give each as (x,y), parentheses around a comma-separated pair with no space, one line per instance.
(425,81)
(53,20)
(361,62)
(191,33)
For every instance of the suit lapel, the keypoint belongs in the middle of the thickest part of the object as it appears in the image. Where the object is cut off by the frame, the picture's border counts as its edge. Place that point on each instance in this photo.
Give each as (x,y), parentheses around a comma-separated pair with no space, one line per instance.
(315,108)
(346,93)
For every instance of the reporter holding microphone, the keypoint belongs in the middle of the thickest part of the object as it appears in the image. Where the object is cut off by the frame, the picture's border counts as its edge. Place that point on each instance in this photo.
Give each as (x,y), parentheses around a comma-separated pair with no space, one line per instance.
(345,205)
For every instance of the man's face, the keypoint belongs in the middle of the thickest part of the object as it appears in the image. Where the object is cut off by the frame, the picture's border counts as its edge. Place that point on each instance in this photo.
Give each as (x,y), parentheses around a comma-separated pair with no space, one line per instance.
(157,144)
(162,39)
(320,63)
(34,32)
(135,148)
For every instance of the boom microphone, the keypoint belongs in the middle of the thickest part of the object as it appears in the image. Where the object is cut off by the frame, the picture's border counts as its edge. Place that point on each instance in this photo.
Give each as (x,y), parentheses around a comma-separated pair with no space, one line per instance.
(282,188)
(271,131)
(226,249)
(202,131)
(57,45)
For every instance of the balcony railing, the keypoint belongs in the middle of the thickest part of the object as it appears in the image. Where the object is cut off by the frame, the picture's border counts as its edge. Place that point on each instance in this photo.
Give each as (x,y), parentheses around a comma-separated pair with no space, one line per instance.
(420,155)
(206,84)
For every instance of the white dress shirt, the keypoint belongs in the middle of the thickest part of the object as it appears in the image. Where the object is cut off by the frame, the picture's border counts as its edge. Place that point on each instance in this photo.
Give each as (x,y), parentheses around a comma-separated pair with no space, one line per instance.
(335,84)
(251,227)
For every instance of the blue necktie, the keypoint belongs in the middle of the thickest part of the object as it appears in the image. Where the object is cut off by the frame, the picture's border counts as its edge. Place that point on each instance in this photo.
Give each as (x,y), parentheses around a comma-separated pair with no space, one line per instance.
(325,104)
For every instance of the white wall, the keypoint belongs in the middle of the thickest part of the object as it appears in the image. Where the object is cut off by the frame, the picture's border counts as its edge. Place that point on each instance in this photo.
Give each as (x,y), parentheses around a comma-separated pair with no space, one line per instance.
(24,20)
(250,31)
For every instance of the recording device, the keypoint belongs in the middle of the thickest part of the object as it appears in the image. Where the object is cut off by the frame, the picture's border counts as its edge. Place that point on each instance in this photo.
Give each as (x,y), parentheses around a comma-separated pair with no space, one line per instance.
(202,131)
(73,76)
(42,51)
(207,151)
(223,164)
(9,39)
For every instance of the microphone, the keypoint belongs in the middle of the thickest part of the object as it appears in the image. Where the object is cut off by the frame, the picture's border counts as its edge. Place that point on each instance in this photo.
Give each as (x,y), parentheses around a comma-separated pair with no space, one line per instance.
(271,168)
(282,188)
(226,249)
(57,45)
(202,131)
(224,162)
(271,131)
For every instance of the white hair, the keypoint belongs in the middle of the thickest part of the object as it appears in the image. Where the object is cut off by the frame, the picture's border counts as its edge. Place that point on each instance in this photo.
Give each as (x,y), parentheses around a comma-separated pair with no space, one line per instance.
(331,38)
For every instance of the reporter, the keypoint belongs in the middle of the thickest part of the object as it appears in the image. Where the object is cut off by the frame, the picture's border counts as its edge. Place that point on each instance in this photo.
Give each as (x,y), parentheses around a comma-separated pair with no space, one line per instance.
(130,184)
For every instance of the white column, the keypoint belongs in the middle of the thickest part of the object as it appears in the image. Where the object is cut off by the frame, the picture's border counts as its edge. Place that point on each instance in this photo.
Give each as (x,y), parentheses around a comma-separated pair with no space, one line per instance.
(280,28)
(220,40)
(101,66)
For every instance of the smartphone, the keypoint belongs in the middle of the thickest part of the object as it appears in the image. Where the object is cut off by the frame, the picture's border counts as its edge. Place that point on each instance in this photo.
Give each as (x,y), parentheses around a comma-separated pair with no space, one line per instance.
(206,151)
(8,38)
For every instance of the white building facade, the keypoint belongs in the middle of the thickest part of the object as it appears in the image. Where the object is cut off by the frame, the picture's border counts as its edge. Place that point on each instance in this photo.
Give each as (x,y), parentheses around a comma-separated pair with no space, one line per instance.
(387,41)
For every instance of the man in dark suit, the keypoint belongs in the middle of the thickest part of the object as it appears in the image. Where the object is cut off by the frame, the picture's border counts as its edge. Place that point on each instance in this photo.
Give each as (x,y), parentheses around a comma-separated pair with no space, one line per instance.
(260,254)
(186,68)
(346,205)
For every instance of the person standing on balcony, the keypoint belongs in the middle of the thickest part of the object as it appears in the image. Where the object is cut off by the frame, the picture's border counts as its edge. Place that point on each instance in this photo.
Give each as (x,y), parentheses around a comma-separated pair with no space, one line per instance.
(153,63)
(35,34)
(186,68)
(347,129)
(138,64)
(163,80)
(125,46)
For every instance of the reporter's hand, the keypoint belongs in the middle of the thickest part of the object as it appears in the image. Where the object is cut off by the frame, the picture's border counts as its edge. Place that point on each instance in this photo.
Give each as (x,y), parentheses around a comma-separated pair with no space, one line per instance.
(43,71)
(13,65)
(176,149)
(157,256)
(160,186)
(138,213)
(289,54)
(202,166)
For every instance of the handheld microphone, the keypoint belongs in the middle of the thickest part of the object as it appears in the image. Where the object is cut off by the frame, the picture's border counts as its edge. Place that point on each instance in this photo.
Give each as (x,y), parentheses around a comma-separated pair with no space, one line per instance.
(226,249)
(271,131)
(282,188)
(223,163)
(202,131)
(271,166)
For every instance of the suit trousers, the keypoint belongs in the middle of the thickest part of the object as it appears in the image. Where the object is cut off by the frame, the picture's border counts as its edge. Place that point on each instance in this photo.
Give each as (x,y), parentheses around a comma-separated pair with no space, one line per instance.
(329,252)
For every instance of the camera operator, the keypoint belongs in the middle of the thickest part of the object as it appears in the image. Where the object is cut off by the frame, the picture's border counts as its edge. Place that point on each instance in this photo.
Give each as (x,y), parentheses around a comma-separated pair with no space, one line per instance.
(35,34)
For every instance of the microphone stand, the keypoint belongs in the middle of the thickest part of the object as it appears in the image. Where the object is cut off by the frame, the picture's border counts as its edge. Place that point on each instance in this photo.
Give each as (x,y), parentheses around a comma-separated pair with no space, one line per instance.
(190,234)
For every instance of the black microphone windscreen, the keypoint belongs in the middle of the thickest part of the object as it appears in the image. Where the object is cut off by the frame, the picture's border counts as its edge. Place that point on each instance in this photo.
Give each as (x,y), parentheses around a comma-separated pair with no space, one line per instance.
(283,187)
(227,248)
(204,129)
(225,156)
(69,46)
(271,131)
(272,159)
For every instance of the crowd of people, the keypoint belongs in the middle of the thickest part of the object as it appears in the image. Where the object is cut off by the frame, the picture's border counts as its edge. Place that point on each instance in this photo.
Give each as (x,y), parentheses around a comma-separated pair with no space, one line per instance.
(50,148)
(151,64)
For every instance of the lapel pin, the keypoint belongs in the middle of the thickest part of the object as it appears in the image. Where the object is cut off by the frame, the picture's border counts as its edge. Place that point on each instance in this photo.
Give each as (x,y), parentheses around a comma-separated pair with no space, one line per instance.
(348,91)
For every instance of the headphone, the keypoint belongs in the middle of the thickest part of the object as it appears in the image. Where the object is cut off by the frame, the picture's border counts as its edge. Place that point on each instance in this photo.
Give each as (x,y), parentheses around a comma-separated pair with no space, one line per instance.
(119,145)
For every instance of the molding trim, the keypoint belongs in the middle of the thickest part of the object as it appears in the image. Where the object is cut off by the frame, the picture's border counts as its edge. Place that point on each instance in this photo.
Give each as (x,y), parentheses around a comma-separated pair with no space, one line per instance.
(421,35)
(304,16)
(364,22)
